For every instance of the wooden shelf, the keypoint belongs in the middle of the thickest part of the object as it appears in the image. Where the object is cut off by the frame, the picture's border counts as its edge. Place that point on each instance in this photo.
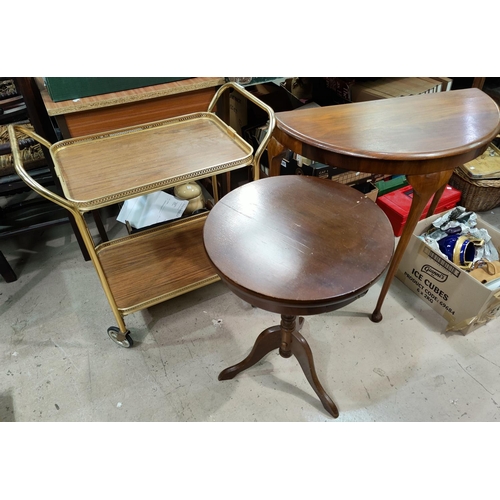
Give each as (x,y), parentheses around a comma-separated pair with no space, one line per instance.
(157,264)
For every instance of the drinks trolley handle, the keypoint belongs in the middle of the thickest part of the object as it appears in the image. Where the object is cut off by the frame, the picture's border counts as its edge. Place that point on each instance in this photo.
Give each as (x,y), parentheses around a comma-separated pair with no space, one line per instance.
(120,334)
(253,99)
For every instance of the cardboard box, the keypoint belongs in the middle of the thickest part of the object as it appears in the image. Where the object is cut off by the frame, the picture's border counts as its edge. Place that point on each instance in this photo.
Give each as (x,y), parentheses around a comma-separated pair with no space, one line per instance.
(238,112)
(460,298)
(396,205)
(369,189)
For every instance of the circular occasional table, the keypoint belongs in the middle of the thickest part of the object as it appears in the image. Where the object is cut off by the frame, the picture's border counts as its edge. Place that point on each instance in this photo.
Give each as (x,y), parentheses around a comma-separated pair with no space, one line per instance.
(296,246)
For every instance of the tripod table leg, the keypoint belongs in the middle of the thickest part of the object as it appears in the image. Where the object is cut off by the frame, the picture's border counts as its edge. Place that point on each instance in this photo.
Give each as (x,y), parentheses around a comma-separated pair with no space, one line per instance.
(303,353)
(267,341)
(290,342)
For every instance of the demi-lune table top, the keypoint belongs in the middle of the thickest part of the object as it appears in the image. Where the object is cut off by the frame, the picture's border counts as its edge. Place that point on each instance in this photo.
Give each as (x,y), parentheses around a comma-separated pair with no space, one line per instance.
(385,136)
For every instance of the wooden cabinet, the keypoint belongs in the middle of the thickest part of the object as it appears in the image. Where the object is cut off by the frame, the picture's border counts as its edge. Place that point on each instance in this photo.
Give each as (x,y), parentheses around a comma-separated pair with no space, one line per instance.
(99,113)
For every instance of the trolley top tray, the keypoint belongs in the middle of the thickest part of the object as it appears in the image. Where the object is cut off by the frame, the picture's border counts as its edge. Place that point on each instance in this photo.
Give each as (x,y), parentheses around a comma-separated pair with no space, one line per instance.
(103,169)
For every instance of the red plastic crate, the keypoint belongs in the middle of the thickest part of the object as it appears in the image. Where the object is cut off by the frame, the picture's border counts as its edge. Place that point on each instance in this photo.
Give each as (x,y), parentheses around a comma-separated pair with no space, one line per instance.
(396,205)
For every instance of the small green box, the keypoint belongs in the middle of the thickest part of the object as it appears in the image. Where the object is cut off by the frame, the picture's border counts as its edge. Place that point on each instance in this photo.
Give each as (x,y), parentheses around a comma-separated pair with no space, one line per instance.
(65,88)
(391,185)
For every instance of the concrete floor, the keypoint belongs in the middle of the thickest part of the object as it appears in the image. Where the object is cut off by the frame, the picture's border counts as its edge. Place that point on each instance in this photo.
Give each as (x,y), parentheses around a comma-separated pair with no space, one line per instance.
(58,364)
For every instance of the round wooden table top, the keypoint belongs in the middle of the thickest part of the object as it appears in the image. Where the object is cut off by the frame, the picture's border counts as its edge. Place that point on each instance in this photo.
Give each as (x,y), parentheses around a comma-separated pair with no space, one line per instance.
(298,245)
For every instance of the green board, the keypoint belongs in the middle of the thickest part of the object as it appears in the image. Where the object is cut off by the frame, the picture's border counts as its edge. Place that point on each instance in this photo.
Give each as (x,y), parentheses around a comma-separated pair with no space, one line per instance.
(65,88)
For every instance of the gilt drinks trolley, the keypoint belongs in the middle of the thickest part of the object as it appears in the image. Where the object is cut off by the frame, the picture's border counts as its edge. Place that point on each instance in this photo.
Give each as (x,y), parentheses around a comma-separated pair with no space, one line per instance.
(102,169)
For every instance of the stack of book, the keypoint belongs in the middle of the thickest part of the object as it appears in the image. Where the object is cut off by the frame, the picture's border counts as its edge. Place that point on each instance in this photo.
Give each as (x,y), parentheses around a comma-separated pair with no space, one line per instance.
(369,89)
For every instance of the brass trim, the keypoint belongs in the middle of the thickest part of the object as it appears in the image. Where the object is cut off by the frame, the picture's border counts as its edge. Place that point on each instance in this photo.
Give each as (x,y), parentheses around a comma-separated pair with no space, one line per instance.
(272,120)
(92,204)
(141,234)
(167,296)
(104,201)
(80,221)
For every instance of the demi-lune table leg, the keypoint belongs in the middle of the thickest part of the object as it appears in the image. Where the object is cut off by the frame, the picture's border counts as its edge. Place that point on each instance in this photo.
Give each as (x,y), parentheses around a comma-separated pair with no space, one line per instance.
(424,186)
(275,154)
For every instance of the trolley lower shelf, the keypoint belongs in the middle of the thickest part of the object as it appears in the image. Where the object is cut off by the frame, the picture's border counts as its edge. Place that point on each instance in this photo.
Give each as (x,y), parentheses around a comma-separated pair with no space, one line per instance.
(157,264)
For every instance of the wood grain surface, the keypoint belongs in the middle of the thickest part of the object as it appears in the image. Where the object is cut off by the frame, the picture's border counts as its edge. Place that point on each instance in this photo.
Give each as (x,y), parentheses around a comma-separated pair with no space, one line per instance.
(157,264)
(399,135)
(297,241)
(127,96)
(126,163)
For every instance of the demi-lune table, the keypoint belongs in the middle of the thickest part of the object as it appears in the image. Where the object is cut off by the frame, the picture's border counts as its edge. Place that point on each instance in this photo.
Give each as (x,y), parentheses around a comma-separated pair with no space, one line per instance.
(424,137)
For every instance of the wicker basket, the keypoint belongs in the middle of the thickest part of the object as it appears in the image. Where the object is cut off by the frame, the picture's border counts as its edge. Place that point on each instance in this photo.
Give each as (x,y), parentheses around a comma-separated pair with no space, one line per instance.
(477,195)
(31,152)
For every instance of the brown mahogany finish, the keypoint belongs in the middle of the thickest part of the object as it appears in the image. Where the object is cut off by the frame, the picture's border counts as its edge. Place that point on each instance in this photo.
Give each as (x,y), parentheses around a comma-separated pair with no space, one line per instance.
(425,137)
(296,245)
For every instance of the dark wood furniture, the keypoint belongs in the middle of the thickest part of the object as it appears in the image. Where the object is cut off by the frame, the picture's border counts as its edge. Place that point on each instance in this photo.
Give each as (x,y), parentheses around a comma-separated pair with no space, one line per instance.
(296,245)
(425,137)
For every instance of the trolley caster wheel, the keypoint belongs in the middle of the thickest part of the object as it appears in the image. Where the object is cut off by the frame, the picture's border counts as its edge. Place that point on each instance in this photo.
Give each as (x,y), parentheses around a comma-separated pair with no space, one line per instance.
(113,333)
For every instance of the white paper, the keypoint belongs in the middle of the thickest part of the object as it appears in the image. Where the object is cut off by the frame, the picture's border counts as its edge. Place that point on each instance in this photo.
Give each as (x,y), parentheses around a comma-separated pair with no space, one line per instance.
(150,209)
